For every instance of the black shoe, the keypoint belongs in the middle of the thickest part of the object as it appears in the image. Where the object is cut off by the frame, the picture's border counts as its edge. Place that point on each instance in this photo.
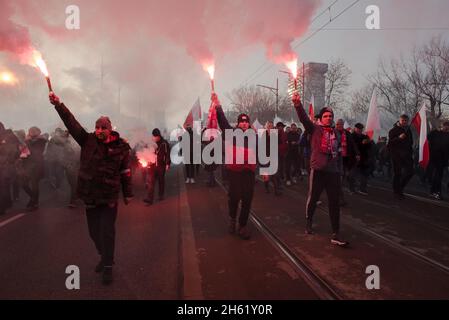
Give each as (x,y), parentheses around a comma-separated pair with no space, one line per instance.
(32,208)
(161,198)
(244,233)
(335,240)
(309,229)
(399,196)
(149,202)
(100,266)
(107,275)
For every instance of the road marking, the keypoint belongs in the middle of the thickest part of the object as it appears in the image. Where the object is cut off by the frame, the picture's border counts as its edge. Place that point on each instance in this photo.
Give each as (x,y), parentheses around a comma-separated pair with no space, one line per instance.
(18,216)
(192,288)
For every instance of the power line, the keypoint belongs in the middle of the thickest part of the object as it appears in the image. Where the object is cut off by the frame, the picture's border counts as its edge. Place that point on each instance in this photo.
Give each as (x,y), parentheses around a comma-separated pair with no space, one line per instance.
(255,75)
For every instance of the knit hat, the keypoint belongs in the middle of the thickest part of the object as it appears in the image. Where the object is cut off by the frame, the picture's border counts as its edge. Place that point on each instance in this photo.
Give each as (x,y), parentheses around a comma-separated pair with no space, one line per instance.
(324,110)
(156,132)
(243,117)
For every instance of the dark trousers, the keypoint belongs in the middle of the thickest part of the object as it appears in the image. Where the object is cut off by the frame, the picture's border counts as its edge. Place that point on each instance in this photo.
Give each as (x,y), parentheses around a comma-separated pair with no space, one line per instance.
(363,174)
(330,181)
(437,176)
(31,187)
(156,173)
(72,180)
(281,169)
(5,194)
(292,162)
(190,171)
(403,172)
(241,188)
(101,223)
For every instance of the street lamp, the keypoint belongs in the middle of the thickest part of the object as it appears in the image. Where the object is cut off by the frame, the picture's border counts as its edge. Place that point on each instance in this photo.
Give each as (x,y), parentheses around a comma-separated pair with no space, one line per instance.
(276,93)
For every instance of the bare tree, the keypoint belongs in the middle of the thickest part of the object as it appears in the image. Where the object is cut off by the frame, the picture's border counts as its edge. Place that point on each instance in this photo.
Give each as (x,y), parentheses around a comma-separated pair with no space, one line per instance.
(254,101)
(397,94)
(428,71)
(337,83)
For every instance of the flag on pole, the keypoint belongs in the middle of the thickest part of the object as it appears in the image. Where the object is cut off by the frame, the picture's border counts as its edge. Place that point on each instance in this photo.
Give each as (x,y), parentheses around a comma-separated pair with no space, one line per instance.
(311,108)
(257,125)
(194,114)
(373,121)
(420,123)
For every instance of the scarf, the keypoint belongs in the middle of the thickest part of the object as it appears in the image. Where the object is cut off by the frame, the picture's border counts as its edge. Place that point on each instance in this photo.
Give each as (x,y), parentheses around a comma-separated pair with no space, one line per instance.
(329,142)
(343,144)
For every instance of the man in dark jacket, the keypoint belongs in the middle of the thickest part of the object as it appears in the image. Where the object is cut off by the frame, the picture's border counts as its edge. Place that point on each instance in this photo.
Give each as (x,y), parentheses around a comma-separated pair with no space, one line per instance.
(439,155)
(241,176)
(156,171)
(292,159)
(366,161)
(34,166)
(325,164)
(9,153)
(282,150)
(400,146)
(349,154)
(104,168)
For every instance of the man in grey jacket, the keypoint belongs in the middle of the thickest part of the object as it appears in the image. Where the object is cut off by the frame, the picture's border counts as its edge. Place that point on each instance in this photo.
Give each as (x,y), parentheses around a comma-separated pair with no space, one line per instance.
(325,166)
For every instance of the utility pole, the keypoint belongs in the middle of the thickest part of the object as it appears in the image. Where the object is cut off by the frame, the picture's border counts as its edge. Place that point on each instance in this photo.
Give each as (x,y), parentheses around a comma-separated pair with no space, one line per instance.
(276,93)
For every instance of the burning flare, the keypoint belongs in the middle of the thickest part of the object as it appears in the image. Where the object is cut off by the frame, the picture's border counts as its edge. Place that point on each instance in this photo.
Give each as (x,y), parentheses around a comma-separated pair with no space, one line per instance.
(143,163)
(293,67)
(39,63)
(8,78)
(211,70)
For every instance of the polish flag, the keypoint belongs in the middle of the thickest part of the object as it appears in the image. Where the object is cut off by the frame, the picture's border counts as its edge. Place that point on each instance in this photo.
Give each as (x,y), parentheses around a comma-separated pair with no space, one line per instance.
(373,121)
(194,114)
(420,124)
(311,109)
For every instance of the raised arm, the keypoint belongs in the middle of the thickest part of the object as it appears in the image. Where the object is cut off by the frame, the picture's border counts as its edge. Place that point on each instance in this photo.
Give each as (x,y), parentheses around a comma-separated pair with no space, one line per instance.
(302,115)
(221,118)
(75,129)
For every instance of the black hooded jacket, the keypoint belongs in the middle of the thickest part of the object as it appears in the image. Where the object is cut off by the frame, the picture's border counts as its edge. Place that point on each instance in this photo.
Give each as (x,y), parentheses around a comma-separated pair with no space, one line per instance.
(104,167)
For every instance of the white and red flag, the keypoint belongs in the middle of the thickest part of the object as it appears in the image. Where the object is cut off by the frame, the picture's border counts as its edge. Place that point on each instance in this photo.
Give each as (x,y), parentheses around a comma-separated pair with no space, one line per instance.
(420,124)
(194,114)
(373,121)
(311,108)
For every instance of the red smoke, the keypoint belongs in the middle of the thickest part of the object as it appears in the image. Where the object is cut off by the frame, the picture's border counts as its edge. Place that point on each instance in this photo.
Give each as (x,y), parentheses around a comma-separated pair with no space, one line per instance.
(14,39)
(206,29)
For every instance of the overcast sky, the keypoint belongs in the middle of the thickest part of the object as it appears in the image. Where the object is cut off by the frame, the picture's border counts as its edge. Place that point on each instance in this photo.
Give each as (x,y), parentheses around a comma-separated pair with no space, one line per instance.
(153,52)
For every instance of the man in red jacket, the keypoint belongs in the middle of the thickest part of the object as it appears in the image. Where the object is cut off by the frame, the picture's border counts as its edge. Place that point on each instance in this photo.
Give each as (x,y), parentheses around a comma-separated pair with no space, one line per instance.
(241,175)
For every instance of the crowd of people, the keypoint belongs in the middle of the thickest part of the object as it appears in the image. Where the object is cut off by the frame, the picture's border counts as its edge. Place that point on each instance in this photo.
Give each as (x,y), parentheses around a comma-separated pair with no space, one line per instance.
(98,166)
(26,158)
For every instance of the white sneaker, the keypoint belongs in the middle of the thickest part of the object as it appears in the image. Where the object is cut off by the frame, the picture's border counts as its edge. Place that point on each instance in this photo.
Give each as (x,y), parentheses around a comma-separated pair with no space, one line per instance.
(289,183)
(192,180)
(187,180)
